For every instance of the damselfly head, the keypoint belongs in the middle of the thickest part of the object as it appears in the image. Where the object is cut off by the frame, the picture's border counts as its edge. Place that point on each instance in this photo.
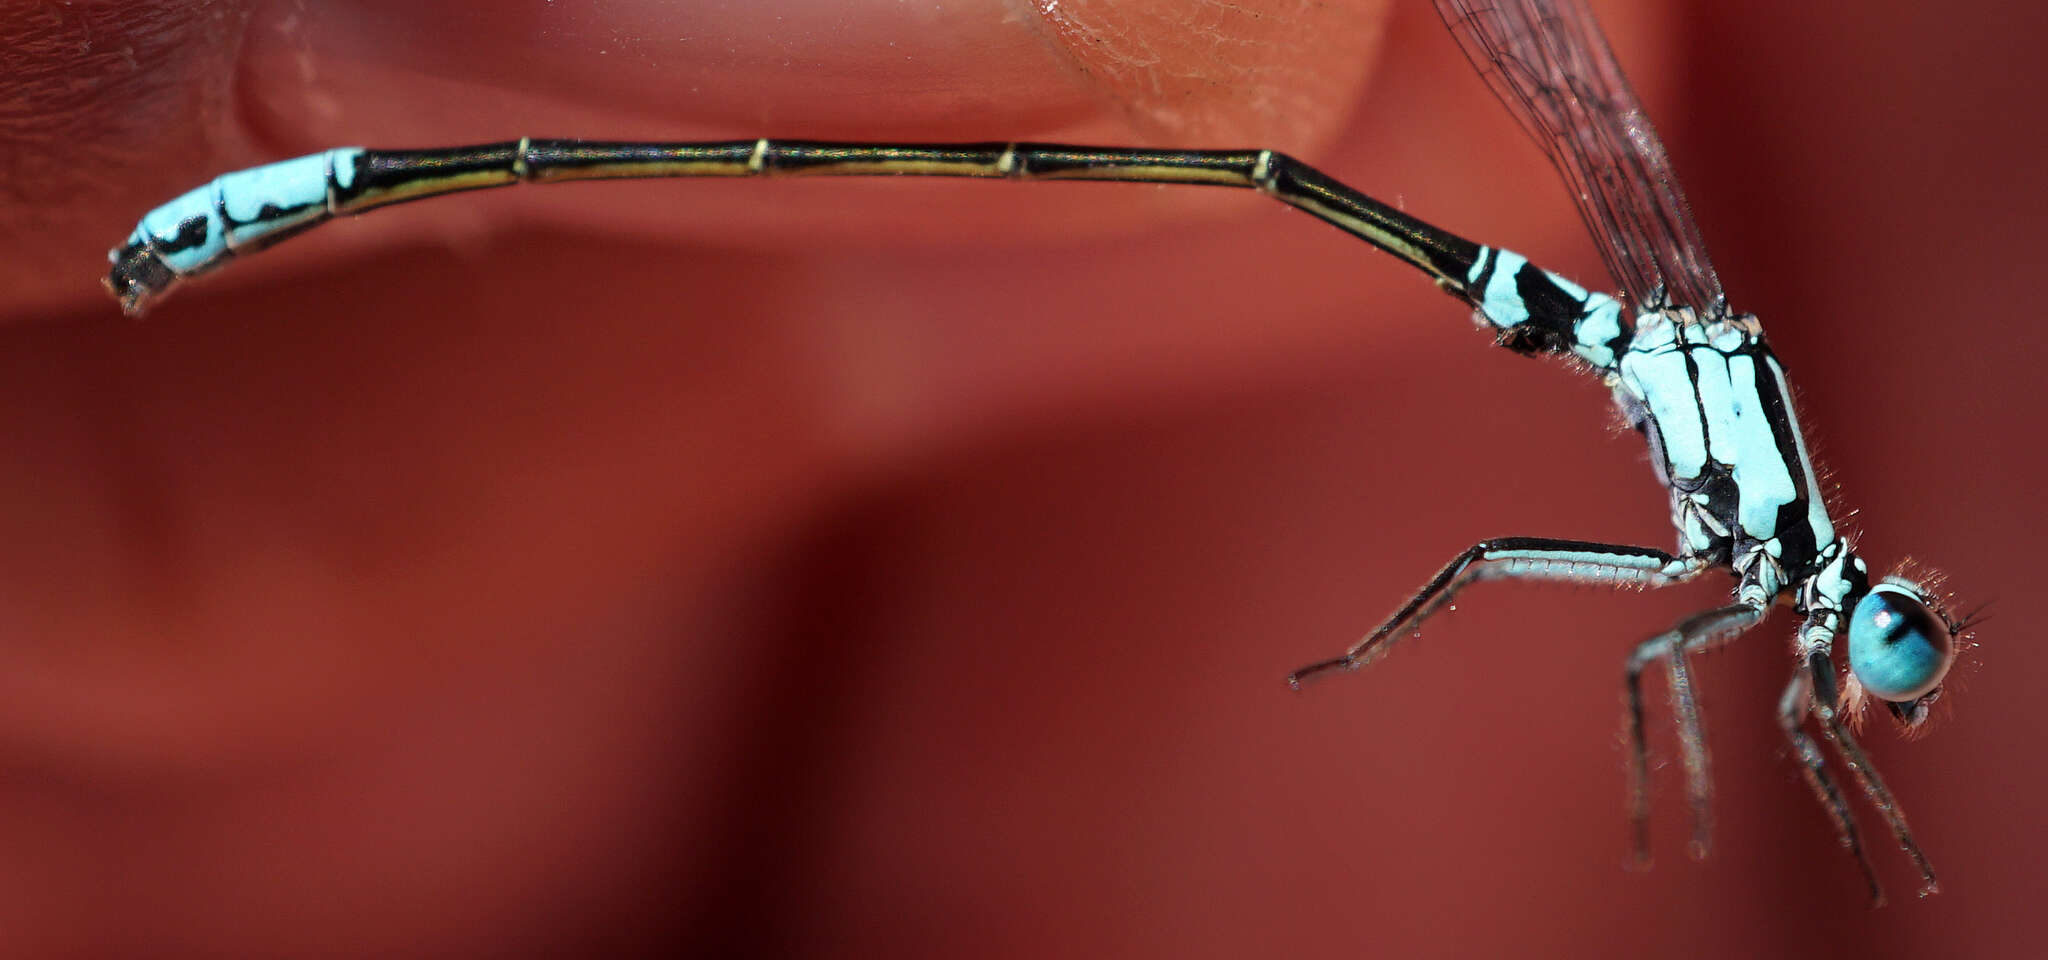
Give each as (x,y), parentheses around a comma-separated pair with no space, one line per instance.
(1901,643)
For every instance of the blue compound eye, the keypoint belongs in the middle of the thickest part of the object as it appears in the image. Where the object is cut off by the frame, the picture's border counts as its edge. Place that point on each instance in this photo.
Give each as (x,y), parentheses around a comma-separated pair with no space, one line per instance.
(1898,647)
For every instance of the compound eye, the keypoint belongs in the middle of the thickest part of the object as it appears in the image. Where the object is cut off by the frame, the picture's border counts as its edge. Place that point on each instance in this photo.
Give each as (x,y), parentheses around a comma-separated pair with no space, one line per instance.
(1898,646)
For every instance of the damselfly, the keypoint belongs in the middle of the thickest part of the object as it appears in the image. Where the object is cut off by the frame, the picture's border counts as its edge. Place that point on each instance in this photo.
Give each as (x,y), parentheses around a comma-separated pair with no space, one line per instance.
(1696,378)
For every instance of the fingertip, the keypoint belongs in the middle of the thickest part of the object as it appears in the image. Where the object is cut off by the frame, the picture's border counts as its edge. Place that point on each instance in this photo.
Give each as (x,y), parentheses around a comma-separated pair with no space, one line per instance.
(1259,72)
(1253,73)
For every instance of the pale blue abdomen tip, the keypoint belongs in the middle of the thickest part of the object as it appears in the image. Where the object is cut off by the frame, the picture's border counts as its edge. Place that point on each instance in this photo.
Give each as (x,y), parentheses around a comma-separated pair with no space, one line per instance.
(247,207)
(187,232)
(274,197)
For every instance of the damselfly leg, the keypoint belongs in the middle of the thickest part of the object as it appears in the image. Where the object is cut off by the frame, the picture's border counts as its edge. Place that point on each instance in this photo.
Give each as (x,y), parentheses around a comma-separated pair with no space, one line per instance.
(1793,708)
(1826,703)
(1695,633)
(1515,558)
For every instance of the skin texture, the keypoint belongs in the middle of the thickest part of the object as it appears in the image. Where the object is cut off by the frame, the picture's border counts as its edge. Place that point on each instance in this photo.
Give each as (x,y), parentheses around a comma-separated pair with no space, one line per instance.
(909,568)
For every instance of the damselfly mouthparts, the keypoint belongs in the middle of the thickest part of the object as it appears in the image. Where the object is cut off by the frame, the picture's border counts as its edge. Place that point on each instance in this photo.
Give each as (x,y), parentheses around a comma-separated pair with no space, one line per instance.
(1696,378)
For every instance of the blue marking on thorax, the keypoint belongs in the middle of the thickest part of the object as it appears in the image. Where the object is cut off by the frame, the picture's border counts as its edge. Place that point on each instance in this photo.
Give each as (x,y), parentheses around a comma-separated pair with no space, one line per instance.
(1716,401)
(1840,573)
(1654,370)
(1694,534)
(1709,393)
(1762,478)
(1816,505)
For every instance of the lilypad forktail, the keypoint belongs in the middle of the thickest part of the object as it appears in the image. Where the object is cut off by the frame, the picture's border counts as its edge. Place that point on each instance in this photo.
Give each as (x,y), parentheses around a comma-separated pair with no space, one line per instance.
(1695,377)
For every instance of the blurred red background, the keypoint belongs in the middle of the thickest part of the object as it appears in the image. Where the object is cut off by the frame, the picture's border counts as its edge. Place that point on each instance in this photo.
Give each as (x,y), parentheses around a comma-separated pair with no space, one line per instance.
(910,568)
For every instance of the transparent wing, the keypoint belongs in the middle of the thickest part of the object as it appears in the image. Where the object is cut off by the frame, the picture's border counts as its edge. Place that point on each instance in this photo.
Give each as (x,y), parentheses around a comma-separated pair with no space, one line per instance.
(1549,63)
